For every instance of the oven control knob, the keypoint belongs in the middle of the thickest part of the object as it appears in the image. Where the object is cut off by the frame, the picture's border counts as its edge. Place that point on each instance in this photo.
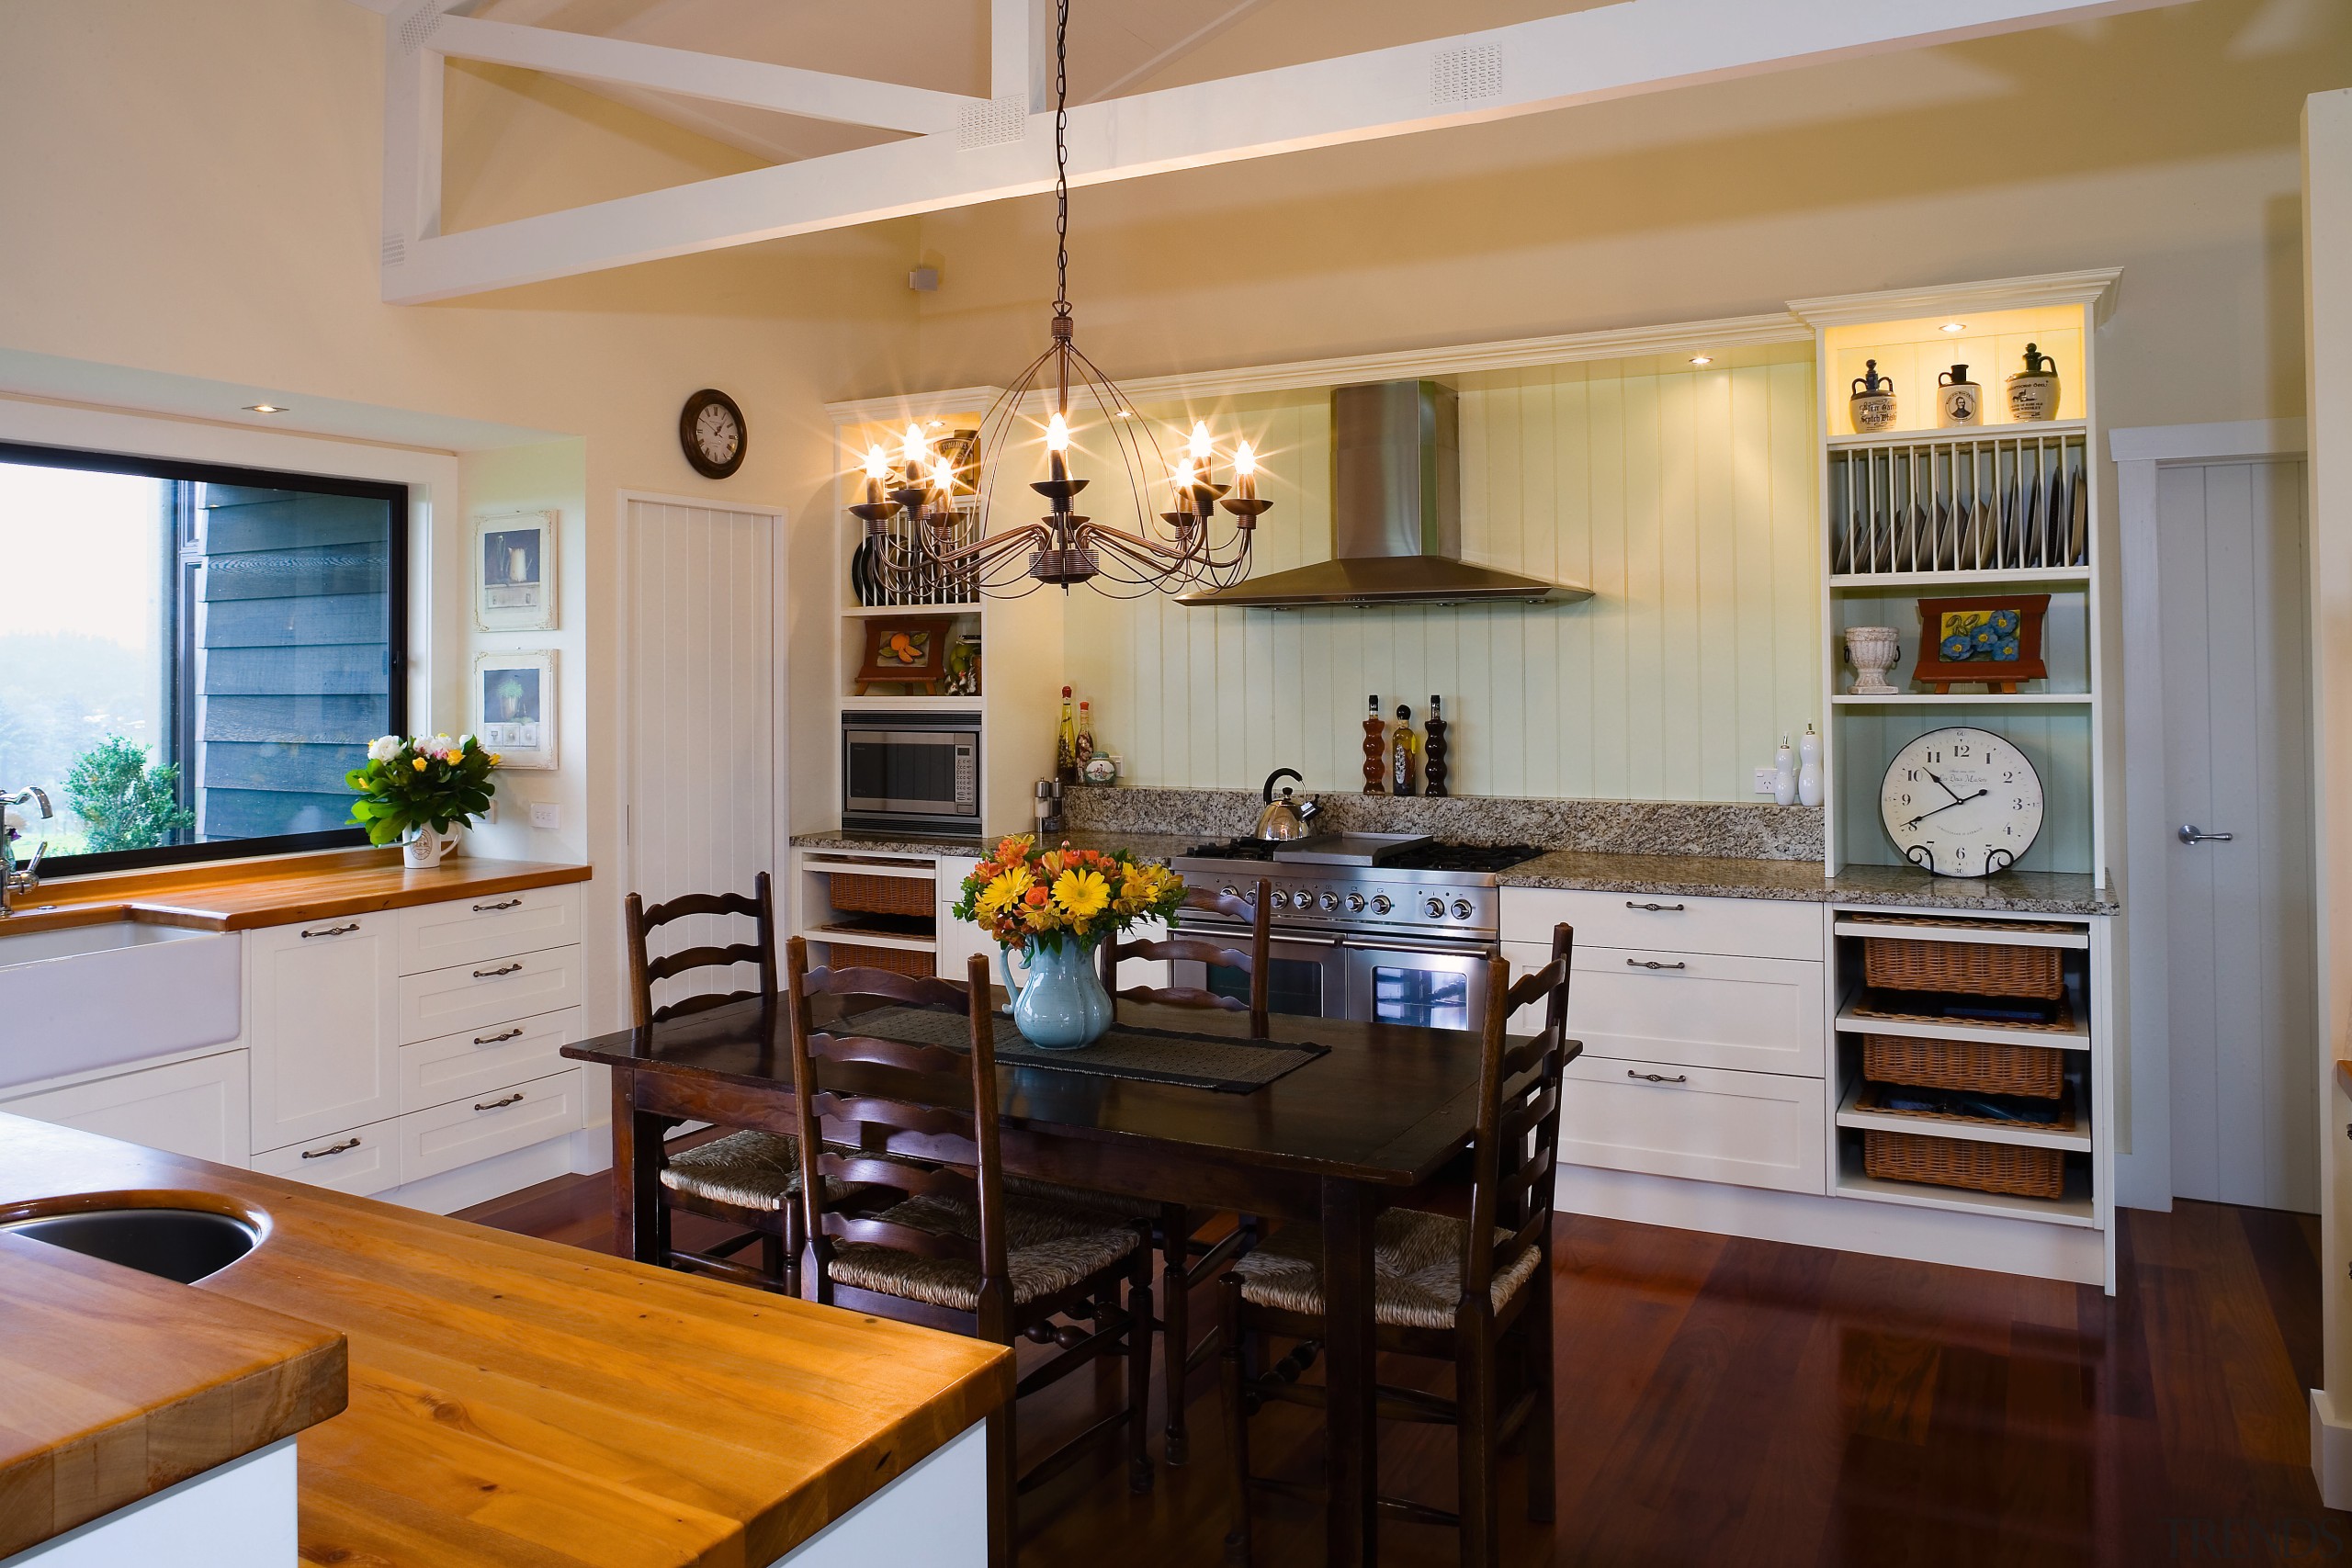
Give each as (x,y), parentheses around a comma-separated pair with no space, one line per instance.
(1380,904)
(1281,899)
(1462,908)
(1329,901)
(1435,909)
(1229,892)
(1355,903)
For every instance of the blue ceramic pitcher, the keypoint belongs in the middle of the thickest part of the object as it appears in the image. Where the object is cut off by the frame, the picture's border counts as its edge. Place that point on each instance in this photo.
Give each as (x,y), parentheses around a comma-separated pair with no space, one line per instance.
(1062,1005)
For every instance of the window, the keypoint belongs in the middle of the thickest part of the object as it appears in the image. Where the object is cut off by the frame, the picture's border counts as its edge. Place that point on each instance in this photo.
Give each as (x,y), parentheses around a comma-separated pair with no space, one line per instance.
(191,655)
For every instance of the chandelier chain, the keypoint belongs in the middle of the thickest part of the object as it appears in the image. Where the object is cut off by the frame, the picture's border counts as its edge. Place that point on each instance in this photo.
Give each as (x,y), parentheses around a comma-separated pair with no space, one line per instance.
(1061,159)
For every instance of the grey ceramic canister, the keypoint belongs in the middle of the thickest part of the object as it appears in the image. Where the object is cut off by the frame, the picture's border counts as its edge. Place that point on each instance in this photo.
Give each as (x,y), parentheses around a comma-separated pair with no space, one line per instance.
(2034,392)
(1871,406)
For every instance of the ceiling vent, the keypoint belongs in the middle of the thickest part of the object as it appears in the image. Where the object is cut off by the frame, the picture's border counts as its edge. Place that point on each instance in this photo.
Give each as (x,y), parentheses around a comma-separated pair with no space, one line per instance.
(1465,76)
(995,123)
(422,21)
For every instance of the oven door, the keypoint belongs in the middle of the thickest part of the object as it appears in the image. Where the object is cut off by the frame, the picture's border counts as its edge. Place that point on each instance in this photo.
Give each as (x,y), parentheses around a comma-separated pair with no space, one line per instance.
(1308,977)
(1436,986)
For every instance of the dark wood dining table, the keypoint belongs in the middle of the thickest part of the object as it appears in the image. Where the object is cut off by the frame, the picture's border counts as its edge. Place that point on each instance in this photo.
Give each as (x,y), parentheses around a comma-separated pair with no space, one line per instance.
(1335,1141)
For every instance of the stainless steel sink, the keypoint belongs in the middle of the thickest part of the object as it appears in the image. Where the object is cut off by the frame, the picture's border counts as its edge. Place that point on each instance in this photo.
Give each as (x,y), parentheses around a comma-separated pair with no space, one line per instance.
(175,1244)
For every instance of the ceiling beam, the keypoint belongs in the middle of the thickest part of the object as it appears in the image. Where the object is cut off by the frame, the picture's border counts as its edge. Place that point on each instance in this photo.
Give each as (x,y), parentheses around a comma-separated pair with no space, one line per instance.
(1613,51)
(787,89)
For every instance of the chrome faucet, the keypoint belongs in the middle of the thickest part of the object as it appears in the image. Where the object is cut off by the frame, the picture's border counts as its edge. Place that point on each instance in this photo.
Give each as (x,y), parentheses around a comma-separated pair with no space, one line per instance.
(12,881)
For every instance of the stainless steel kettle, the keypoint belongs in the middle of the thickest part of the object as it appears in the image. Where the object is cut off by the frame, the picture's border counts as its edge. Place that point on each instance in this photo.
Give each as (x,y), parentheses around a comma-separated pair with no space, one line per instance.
(1283,817)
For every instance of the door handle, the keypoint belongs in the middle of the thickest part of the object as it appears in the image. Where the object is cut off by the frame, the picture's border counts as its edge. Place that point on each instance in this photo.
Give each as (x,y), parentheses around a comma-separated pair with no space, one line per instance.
(2193,834)
(511,1100)
(1657,1077)
(1652,963)
(1656,908)
(347,1145)
(332,930)
(488,909)
(494,974)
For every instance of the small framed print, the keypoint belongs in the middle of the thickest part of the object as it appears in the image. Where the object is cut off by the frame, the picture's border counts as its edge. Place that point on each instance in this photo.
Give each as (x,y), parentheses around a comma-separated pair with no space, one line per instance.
(514,706)
(515,571)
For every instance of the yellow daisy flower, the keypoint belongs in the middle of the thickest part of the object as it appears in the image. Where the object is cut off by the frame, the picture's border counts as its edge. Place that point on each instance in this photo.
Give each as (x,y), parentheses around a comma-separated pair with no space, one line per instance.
(1081,894)
(1002,893)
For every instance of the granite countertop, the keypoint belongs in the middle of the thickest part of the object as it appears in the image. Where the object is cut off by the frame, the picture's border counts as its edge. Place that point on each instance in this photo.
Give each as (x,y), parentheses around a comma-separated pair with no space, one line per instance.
(514,1401)
(1704,876)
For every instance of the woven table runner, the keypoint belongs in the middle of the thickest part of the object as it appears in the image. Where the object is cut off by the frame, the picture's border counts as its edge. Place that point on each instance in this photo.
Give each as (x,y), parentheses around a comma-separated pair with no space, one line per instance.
(1217,1062)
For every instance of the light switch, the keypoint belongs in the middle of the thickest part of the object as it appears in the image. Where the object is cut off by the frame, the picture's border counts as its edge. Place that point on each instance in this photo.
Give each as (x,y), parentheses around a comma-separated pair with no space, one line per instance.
(544,814)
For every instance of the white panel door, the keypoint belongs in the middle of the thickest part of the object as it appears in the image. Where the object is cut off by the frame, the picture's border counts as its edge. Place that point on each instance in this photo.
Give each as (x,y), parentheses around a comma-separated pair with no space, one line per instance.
(702,730)
(2241,975)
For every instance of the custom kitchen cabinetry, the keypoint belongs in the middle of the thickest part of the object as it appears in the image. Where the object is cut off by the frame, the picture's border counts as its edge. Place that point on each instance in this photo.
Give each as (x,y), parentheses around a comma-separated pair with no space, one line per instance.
(1704,1023)
(196,1107)
(397,1047)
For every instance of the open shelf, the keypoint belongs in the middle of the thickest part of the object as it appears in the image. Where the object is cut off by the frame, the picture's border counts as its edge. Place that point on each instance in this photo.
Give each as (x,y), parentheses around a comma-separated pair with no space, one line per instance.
(1912,435)
(2061,576)
(915,705)
(869,611)
(1974,1132)
(2074,1207)
(1988,933)
(858,936)
(2076,1037)
(1966,699)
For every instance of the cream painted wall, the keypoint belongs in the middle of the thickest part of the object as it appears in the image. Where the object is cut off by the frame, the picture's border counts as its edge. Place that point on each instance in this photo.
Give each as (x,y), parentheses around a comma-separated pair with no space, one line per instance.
(192,190)
(1683,496)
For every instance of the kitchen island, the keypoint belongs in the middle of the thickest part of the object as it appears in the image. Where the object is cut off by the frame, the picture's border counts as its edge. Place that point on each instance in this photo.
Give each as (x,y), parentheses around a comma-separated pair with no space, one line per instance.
(516,1400)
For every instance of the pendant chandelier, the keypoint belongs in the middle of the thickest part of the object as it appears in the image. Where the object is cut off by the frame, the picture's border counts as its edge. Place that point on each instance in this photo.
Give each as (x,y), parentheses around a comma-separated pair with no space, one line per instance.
(928,520)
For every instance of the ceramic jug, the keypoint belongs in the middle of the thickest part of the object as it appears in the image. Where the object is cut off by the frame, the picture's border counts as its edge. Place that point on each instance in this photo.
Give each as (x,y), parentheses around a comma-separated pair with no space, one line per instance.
(1958,401)
(421,848)
(1062,1005)
(2033,391)
(1872,404)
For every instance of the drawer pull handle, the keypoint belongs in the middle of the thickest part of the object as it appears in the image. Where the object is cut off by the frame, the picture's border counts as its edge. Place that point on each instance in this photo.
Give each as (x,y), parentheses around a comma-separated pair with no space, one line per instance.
(1652,963)
(494,1039)
(332,930)
(1645,1078)
(1659,909)
(498,1104)
(494,974)
(492,908)
(348,1144)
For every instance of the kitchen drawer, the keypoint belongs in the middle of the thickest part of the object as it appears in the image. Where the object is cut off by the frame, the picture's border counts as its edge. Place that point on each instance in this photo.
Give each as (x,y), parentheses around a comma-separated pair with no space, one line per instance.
(473,1062)
(489,925)
(362,1162)
(1695,1009)
(1747,1129)
(486,991)
(1754,928)
(478,1127)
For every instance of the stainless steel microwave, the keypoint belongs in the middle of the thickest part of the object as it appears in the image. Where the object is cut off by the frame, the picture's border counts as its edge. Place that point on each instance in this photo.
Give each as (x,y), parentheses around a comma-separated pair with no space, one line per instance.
(912,770)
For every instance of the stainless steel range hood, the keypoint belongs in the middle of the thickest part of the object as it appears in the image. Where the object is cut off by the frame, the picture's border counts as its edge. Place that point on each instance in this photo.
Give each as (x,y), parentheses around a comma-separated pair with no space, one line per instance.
(1397,514)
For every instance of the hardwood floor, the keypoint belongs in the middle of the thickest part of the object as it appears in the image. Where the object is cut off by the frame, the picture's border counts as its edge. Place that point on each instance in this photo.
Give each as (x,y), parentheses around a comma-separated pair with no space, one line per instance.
(1738,1401)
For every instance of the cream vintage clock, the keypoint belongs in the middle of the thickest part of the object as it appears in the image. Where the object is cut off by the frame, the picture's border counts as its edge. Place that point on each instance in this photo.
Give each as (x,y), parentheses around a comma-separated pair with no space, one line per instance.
(710,428)
(1962,802)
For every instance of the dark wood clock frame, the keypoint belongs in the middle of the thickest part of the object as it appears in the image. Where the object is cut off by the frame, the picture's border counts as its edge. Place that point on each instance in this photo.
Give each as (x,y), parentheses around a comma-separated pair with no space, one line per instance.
(710,396)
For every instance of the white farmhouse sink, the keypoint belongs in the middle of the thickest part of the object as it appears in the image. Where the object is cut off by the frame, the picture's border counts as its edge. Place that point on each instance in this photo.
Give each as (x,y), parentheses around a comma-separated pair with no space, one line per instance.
(85,997)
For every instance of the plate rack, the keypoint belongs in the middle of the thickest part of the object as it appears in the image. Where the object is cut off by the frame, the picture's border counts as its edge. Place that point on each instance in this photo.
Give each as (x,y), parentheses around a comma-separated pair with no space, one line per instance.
(1979,502)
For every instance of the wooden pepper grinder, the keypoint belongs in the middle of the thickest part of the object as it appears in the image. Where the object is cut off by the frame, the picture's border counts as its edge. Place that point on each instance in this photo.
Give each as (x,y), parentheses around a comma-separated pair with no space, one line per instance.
(1433,771)
(1375,749)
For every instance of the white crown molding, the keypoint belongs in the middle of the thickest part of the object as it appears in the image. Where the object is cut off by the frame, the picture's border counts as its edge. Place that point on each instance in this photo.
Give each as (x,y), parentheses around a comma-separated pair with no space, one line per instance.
(893,407)
(2206,443)
(2094,287)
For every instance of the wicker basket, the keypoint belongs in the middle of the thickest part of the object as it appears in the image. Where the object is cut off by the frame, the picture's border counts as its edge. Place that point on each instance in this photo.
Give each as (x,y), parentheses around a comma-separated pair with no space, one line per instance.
(898,960)
(856,893)
(1977,968)
(1965,1162)
(2035,1070)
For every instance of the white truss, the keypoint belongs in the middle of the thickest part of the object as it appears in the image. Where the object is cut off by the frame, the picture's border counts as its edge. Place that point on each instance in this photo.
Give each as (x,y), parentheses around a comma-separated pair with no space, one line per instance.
(959,150)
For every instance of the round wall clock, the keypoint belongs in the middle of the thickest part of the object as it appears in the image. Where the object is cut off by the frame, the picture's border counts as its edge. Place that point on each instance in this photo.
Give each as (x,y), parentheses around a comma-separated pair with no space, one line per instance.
(1962,802)
(710,428)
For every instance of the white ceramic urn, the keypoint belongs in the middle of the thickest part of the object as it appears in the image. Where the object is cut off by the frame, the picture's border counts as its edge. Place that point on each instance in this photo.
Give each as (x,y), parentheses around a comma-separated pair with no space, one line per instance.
(1873,651)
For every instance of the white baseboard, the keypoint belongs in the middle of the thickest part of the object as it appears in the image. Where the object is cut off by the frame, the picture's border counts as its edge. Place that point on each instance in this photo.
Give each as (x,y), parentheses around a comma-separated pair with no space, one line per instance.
(486,1179)
(1851,1225)
(2331,1453)
(592,1150)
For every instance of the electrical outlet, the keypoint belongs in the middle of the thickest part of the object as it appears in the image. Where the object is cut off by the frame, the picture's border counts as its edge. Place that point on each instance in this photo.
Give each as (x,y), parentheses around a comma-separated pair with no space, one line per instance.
(1764,781)
(546,815)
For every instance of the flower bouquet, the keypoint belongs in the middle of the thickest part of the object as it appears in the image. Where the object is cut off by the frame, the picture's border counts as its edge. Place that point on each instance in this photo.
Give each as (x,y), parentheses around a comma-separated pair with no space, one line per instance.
(1056,907)
(418,792)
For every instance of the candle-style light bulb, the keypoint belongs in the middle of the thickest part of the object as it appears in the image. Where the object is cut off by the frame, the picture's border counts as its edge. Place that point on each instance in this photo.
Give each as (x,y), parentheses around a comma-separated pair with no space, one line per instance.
(942,476)
(1200,450)
(877,468)
(1184,492)
(1245,473)
(1057,446)
(912,450)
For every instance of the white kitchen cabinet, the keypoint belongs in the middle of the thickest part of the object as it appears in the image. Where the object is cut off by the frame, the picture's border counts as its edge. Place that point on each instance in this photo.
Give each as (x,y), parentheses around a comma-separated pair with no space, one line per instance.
(1751,928)
(196,1107)
(1699,1009)
(488,992)
(492,925)
(362,1161)
(323,1026)
(478,1127)
(1666,1119)
(482,1060)
(958,940)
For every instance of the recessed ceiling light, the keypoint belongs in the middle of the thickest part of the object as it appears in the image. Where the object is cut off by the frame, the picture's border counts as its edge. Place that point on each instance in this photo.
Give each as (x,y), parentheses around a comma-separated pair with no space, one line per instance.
(1703,359)
(1954,327)
(937,423)
(265,408)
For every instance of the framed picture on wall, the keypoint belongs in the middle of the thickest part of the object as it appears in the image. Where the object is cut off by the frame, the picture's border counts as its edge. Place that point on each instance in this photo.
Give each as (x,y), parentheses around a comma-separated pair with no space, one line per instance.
(515,571)
(514,706)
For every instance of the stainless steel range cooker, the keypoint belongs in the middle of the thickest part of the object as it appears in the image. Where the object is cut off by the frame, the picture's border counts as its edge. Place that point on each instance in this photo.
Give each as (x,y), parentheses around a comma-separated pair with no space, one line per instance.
(1382,927)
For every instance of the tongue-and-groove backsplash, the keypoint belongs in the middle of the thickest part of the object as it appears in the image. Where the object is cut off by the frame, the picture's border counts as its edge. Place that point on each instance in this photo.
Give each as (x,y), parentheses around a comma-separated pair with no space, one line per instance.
(1683,496)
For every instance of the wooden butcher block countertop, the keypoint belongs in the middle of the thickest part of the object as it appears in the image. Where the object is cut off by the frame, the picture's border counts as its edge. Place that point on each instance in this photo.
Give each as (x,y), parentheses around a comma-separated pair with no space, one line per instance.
(274,892)
(114,1384)
(514,1401)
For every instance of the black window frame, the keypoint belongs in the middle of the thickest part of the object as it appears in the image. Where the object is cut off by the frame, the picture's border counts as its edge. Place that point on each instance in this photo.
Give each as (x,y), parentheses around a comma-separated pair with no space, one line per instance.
(396,635)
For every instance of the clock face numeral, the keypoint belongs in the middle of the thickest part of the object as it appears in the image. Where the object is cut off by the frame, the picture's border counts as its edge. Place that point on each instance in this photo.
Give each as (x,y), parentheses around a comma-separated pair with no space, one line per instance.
(1962,802)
